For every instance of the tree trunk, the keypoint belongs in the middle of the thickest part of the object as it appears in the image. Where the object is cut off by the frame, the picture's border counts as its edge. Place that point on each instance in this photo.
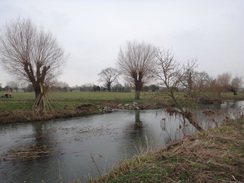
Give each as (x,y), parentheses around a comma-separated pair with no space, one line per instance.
(138,88)
(109,86)
(233,90)
(190,117)
(137,94)
(37,91)
(39,104)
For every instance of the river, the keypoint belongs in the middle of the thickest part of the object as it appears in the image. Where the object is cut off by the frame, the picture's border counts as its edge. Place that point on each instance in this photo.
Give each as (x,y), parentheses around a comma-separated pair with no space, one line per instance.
(83,147)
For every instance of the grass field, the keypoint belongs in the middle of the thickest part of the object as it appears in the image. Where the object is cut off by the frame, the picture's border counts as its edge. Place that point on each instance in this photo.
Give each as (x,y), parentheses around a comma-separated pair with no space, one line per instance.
(25,100)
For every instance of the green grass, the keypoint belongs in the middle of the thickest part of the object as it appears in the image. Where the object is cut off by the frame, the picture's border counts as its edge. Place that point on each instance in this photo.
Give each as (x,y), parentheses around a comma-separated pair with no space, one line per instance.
(63,104)
(93,95)
(23,100)
(230,96)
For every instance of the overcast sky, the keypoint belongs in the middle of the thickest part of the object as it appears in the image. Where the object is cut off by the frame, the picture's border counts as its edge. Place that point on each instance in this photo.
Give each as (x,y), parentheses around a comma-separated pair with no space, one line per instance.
(93,31)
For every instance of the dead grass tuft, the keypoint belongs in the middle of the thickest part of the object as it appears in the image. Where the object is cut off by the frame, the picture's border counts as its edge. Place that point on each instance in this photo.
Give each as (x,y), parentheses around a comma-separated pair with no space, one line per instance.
(26,153)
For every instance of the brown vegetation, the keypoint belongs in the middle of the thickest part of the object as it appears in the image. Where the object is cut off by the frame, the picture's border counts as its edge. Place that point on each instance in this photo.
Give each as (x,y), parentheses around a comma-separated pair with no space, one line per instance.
(29,116)
(26,153)
(211,156)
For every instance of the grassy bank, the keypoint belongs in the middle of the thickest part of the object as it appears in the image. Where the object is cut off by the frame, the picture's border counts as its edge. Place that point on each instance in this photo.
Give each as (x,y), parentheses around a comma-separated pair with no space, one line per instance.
(64,104)
(216,155)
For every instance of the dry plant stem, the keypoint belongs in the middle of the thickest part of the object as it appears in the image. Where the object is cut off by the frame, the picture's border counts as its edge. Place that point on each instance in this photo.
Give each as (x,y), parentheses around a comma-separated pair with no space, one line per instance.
(59,171)
(96,165)
(42,103)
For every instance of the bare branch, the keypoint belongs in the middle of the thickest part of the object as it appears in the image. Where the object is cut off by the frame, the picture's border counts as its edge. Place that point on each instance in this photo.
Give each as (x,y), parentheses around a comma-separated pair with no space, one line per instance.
(173,75)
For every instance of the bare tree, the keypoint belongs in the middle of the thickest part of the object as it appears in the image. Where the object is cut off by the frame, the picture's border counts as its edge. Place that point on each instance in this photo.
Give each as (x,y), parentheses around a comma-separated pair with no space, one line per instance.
(196,84)
(201,80)
(174,75)
(224,82)
(136,62)
(32,55)
(236,84)
(109,75)
(168,71)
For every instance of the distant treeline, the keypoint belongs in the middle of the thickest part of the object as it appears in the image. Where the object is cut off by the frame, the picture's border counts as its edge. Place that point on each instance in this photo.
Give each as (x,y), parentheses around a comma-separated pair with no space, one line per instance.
(83,88)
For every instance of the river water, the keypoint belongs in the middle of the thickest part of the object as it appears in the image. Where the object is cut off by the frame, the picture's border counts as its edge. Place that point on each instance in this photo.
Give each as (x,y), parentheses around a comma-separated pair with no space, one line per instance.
(88,146)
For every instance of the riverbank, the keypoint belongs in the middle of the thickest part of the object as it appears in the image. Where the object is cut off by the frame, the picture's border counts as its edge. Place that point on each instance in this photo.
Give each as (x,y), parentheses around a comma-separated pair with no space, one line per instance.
(71,104)
(216,155)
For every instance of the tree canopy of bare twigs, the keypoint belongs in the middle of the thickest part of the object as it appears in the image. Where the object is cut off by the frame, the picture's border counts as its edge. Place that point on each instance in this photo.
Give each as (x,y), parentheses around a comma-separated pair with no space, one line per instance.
(171,73)
(200,81)
(236,84)
(226,83)
(136,62)
(31,54)
(197,84)
(109,75)
(174,75)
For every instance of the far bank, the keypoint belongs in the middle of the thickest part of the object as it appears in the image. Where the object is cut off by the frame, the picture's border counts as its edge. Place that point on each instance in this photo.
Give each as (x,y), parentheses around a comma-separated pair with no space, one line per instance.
(71,104)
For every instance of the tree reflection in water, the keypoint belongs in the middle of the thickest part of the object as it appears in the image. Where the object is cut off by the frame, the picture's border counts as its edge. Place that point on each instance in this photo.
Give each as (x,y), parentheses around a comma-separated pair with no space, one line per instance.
(138,122)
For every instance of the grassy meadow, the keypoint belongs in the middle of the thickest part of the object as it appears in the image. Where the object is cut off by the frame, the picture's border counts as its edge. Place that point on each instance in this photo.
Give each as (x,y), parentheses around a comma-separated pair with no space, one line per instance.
(25,100)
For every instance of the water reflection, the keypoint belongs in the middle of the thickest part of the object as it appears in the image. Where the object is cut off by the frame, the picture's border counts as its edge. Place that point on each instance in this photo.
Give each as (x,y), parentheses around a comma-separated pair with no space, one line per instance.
(138,122)
(109,138)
